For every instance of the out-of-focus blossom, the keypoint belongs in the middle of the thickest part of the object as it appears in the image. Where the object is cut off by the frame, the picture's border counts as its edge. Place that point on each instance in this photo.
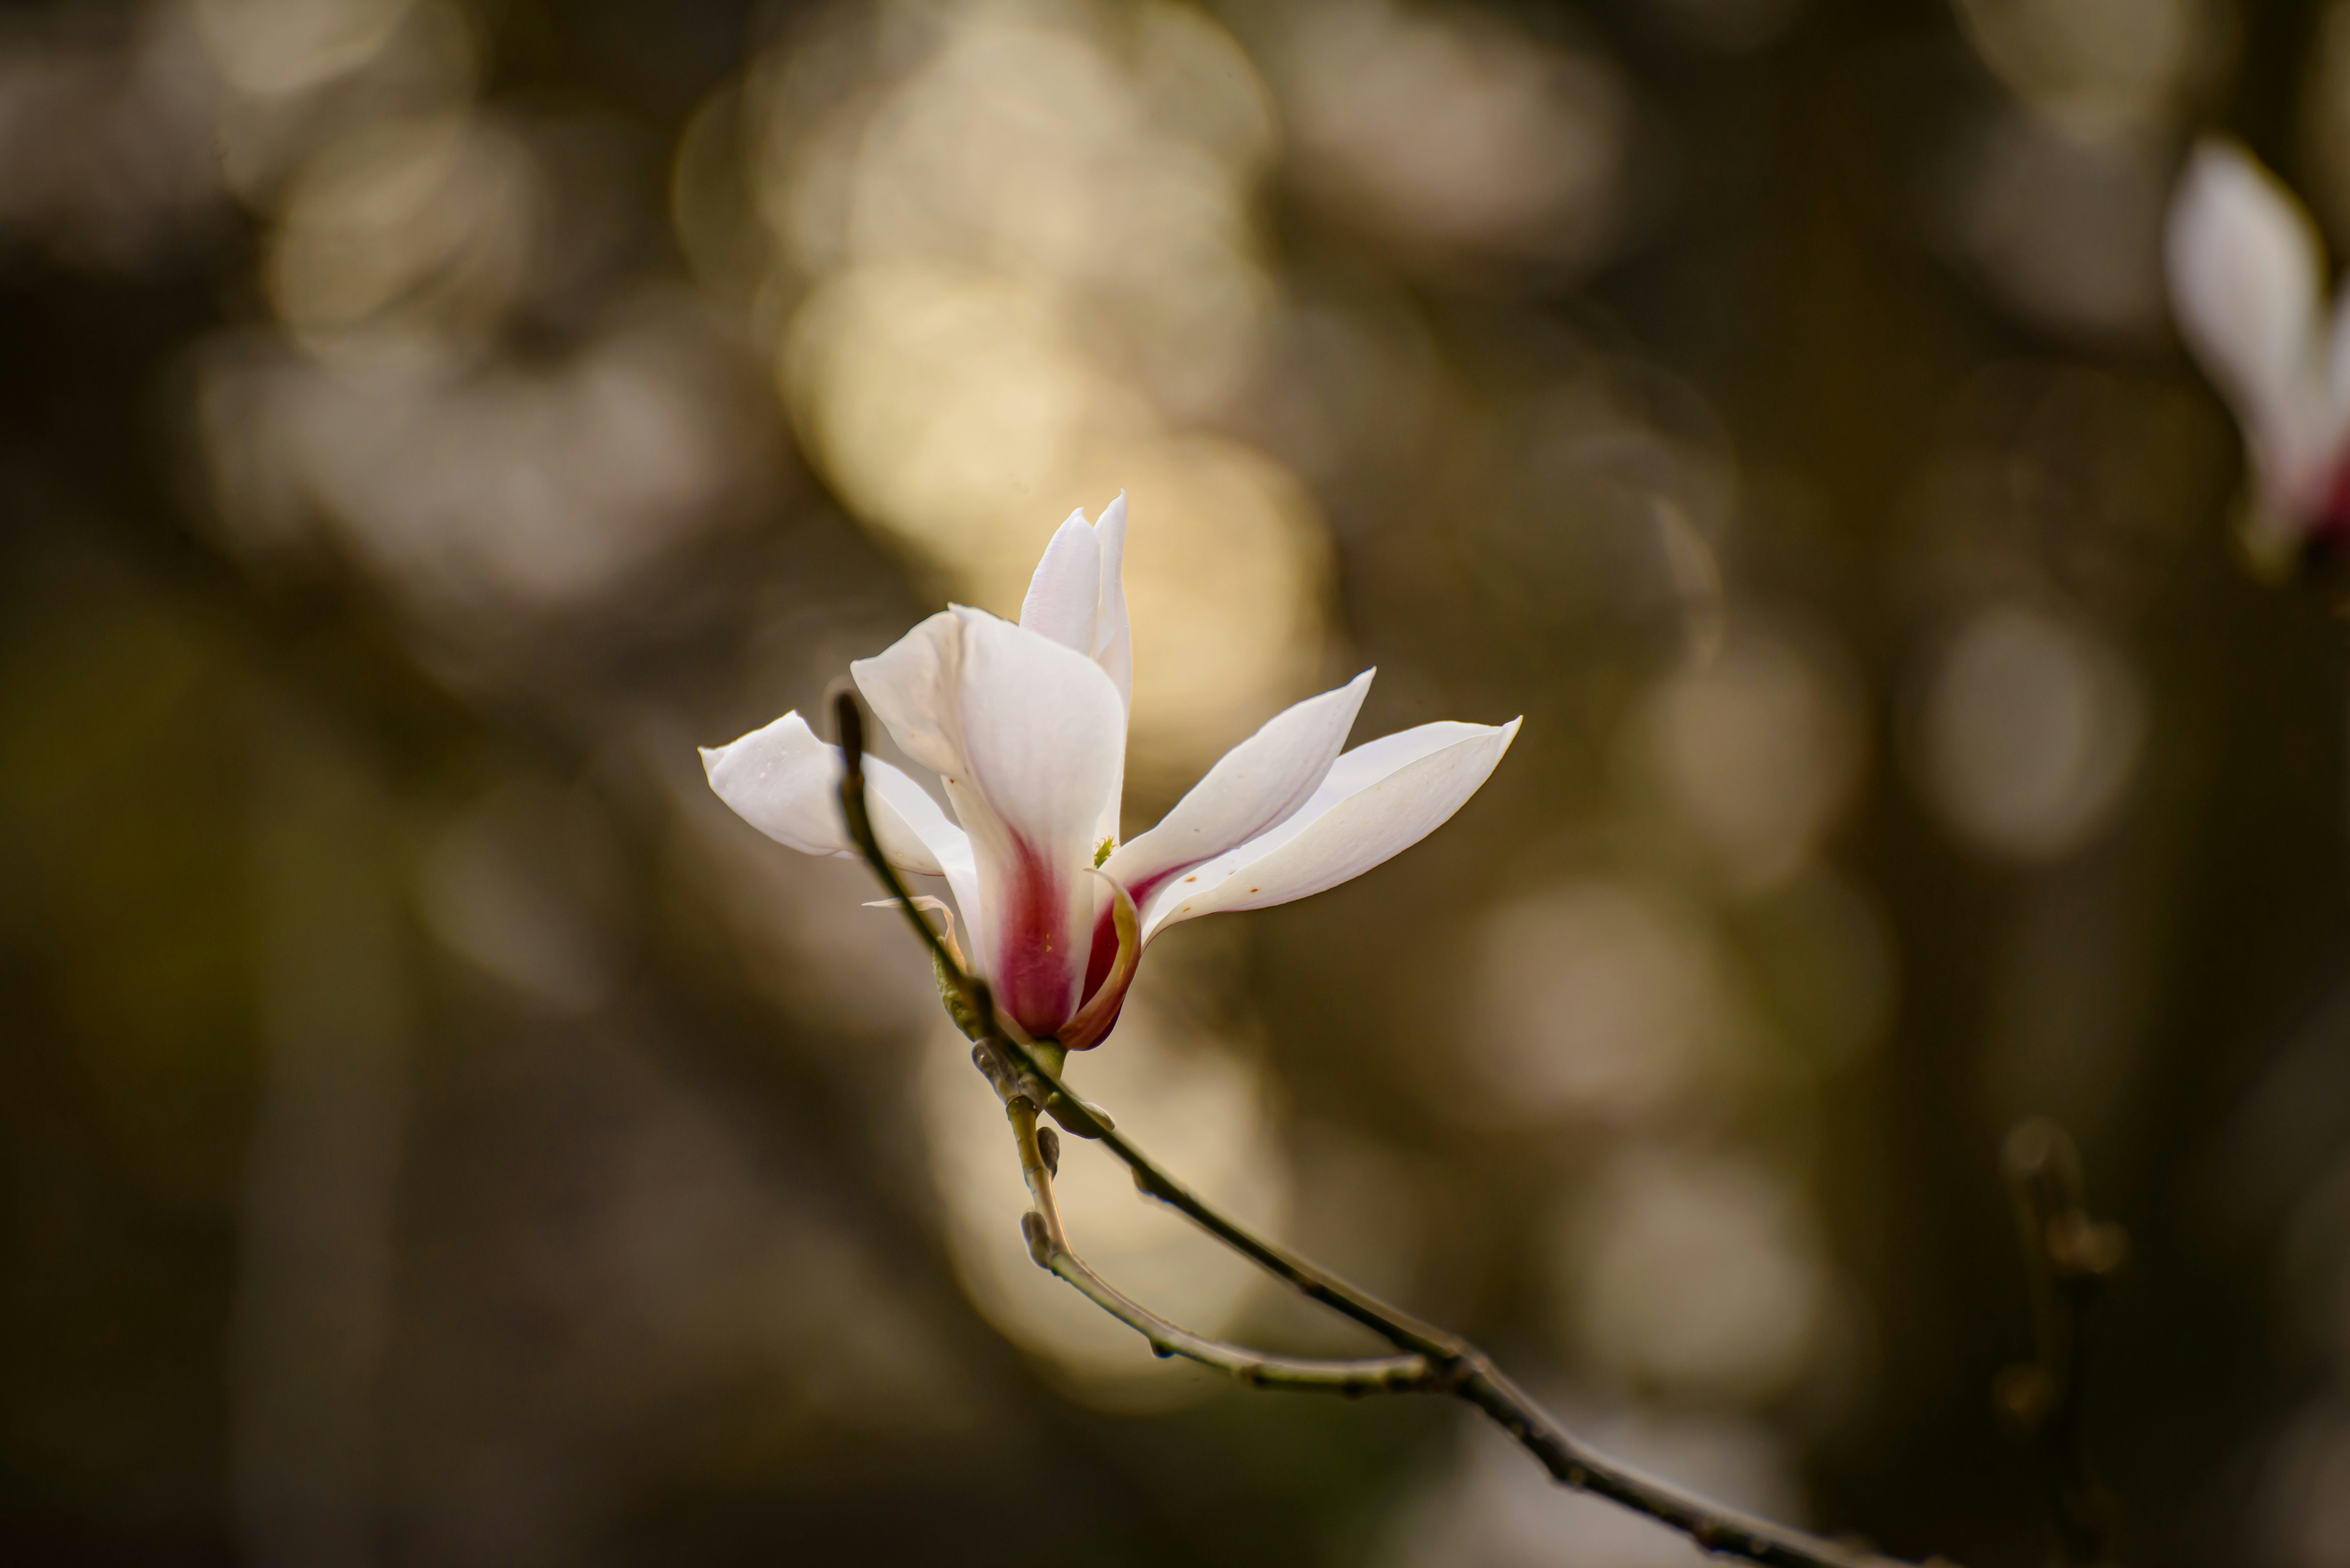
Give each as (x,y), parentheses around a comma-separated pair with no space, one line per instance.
(2247,284)
(1027,727)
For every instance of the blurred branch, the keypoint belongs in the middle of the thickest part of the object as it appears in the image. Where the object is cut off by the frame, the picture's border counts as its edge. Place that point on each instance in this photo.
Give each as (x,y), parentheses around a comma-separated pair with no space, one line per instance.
(2071,1257)
(1451,1365)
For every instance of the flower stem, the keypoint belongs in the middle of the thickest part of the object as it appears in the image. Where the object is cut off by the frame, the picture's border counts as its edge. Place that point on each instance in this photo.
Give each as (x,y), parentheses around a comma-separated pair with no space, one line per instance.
(1434,1360)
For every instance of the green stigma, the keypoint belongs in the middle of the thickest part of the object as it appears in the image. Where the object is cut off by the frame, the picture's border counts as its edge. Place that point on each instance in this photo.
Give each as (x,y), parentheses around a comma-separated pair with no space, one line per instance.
(1101,853)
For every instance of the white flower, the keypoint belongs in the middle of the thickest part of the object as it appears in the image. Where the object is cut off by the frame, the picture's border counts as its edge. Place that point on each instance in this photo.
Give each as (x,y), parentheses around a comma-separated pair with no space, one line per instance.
(2247,285)
(1026,725)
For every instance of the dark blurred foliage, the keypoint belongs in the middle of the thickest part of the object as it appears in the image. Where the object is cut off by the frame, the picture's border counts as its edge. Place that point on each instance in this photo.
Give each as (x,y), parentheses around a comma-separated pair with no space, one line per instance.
(435,1131)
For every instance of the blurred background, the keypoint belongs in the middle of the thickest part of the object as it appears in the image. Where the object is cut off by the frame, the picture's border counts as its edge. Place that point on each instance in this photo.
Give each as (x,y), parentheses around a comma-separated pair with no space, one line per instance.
(436,1131)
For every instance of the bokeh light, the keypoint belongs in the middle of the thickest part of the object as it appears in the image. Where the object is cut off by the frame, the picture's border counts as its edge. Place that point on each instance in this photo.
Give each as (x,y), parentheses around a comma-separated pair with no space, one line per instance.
(1596,1000)
(1760,745)
(1456,138)
(2028,730)
(436,1129)
(1693,1275)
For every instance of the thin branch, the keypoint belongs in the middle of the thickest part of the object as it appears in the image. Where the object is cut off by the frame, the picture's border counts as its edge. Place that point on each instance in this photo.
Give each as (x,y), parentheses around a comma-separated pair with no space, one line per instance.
(2071,1257)
(1454,1365)
(1048,1241)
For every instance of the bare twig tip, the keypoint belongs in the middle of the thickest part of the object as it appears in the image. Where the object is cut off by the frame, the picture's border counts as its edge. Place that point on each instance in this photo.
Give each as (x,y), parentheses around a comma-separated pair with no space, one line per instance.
(849,727)
(2069,1256)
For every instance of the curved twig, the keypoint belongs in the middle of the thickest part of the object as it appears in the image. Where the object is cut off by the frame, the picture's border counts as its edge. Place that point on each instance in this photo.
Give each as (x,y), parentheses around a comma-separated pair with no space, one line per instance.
(1048,1242)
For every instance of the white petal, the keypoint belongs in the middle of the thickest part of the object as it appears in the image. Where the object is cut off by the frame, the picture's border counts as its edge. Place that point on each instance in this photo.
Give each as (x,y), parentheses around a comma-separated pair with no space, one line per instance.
(1113,643)
(1030,738)
(785,783)
(2243,262)
(1064,599)
(1378,801)
(1254,788)
(912,686)
(1043,735)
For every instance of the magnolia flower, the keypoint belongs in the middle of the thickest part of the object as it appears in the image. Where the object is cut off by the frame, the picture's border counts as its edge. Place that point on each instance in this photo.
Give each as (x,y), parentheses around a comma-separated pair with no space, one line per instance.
(1026,727)
(2247,285)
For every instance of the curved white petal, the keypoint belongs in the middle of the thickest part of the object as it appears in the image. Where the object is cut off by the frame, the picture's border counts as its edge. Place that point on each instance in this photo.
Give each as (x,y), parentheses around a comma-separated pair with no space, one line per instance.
(1064,598)
(2243,262)
(785,783)
(1113,642)
(1077,595)
(1255,787)
(1378,800)
(911,685)
(1030,738)
(1113,647)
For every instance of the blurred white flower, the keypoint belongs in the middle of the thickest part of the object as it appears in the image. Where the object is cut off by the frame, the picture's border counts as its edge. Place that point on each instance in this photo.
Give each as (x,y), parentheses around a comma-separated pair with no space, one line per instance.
(1027,727)
(2247,285)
